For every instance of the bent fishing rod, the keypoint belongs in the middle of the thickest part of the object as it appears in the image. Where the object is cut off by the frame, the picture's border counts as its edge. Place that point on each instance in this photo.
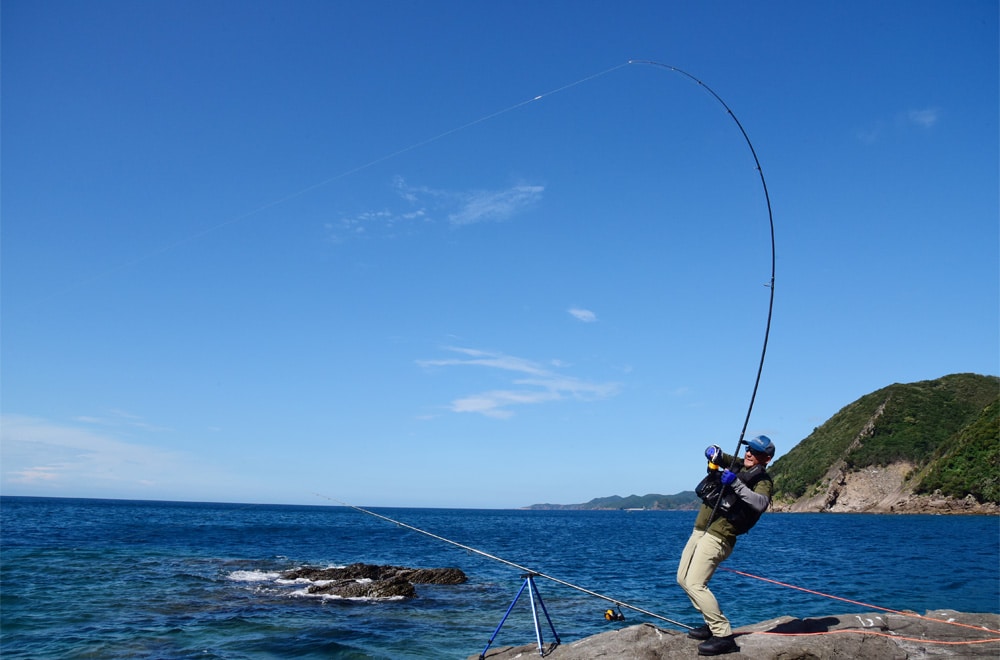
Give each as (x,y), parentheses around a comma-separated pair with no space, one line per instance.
(770,219)
(770,285)
(523,569)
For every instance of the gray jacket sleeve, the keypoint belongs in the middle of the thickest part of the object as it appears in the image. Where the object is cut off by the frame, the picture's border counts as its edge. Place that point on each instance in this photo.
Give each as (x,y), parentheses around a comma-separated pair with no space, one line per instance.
(757,501)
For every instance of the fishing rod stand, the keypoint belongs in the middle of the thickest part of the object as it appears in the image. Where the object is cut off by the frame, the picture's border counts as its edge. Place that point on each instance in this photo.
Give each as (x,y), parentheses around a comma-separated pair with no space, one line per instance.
(529,582)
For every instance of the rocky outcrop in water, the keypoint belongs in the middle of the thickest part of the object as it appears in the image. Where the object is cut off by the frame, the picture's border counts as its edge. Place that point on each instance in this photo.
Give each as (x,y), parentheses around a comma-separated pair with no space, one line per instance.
(372,581)
(868,636)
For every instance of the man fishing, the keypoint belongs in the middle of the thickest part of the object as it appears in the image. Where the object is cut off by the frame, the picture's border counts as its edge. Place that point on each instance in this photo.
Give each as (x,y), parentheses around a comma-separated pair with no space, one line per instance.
(733,500)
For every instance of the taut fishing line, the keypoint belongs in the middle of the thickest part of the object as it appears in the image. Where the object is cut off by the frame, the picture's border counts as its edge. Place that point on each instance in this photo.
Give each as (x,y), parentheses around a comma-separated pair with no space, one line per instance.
(337,177)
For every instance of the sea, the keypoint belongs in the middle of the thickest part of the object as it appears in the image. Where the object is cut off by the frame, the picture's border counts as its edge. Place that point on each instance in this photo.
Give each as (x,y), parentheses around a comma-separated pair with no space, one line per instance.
(83,578)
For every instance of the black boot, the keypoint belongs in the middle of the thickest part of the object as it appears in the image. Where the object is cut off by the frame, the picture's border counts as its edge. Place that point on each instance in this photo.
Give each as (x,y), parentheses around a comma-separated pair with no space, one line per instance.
(718,646)
(702,632)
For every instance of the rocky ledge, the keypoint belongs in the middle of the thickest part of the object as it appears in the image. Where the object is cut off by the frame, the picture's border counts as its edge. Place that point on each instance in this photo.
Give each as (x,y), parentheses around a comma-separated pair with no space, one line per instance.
(867,636)
(372,581)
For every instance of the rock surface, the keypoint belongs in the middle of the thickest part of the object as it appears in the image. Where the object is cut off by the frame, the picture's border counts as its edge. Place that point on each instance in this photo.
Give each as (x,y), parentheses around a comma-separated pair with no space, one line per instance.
(868,636)
(372,581)
(879,490)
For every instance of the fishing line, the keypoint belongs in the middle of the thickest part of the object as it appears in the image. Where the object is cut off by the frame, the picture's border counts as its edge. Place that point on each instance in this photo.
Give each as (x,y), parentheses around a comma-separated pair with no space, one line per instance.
(337,177)
(508,563)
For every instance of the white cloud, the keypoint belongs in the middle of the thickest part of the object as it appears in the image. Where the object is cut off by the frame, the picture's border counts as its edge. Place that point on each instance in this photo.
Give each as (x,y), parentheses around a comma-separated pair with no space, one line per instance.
(422,204)
(495,403)
(486,359)
(119,418)
(541,386)
(39,452)
(584,315)
(494,205)
(925,118)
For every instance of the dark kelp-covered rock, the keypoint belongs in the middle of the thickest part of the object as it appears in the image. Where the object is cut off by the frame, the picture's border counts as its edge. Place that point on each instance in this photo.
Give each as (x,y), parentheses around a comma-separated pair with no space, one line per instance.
(868,636)
(375,572)
(433,575)
(393,587)
(372,581)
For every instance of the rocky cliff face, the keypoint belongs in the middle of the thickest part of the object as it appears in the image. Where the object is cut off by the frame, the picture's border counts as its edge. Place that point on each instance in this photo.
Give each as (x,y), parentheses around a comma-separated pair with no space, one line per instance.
(879,490)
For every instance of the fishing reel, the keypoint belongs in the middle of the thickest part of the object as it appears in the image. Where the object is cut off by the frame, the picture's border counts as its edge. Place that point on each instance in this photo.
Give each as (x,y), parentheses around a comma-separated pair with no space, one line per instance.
(611,615)
(715,467)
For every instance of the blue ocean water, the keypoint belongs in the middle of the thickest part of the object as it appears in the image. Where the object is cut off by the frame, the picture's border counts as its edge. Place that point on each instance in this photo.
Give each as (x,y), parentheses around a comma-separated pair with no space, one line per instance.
(129,579)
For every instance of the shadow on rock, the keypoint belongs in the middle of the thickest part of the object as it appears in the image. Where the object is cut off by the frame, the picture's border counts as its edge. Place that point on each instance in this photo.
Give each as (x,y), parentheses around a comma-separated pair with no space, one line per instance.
(802,626)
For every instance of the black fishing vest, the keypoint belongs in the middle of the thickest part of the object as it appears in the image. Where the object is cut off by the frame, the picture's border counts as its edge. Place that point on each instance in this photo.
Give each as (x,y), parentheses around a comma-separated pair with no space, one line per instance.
(730,506)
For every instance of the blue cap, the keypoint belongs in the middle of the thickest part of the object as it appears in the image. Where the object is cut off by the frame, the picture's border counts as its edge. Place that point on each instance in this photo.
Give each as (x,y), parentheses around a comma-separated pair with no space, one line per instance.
(762,445)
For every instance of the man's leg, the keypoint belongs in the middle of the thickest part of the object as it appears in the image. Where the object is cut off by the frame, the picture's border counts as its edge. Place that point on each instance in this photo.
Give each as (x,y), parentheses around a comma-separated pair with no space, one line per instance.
(701,632)
(706,555)
(684,565)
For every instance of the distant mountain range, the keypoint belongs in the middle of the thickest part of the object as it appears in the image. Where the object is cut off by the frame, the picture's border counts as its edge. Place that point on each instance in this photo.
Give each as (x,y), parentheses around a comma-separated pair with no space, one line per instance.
(683,501)
(929,446)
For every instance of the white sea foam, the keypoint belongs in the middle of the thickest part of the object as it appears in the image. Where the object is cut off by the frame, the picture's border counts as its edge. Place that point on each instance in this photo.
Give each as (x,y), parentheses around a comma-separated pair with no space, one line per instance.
(303,585)
(304,593)
(318,583)
(253,576)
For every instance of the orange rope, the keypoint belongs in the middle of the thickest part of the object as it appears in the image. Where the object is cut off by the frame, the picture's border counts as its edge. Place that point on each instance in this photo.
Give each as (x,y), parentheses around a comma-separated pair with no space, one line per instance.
(882,634)
(876,607)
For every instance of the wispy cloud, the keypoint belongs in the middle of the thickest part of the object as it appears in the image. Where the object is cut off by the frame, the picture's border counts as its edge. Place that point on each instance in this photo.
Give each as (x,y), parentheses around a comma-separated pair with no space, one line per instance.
(493,205)
(376,223)
(537,384)
(37,451)
(120,418)
(423,205)
(925,118)
(584,315)
(877,130)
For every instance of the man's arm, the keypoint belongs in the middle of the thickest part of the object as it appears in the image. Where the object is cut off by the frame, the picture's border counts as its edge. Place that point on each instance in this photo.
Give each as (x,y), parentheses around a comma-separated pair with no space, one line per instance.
(759,498)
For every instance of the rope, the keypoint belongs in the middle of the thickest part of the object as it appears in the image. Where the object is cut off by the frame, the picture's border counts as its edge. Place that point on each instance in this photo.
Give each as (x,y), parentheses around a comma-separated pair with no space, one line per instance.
(882,634)
(912,615)
(615,601)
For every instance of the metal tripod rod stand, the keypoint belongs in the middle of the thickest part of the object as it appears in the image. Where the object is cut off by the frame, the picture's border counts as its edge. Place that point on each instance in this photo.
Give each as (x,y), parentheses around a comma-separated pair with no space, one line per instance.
(529,582)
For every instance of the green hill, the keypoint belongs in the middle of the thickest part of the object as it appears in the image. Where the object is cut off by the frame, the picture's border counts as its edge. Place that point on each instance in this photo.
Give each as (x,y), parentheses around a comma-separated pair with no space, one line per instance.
(947,428)
(972,463)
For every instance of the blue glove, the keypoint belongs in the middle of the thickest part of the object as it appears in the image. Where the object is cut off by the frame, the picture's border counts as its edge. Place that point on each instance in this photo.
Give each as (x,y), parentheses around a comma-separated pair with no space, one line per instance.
(728,477)
(713,454)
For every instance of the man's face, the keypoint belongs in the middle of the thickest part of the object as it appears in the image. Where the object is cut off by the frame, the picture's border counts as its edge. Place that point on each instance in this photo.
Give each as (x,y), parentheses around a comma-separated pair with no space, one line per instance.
(751,459)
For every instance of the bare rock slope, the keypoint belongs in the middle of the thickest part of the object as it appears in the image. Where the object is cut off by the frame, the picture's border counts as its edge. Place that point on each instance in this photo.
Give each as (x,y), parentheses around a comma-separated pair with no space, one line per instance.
(867,636)
(880,490)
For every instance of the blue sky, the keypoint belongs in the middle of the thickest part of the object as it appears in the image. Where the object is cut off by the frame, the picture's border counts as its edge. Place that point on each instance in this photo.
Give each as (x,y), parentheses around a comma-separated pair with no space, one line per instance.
(464,254)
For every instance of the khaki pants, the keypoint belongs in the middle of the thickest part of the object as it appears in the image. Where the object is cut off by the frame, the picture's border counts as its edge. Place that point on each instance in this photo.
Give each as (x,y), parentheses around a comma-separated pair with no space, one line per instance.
(702,555)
